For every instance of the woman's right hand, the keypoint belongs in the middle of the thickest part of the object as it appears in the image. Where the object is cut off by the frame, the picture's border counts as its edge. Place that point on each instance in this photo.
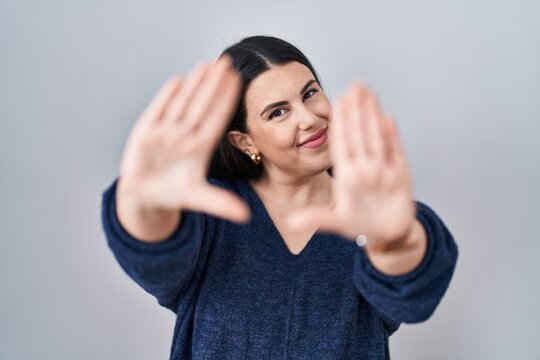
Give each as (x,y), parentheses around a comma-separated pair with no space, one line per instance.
(164,164)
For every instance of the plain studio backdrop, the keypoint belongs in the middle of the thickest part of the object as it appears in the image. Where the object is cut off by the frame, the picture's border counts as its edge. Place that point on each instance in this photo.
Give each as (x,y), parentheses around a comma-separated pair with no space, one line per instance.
(460,77)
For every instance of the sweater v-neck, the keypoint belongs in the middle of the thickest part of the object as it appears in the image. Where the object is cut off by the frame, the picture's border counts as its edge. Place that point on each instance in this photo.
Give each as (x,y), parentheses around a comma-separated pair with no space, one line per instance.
(281,244)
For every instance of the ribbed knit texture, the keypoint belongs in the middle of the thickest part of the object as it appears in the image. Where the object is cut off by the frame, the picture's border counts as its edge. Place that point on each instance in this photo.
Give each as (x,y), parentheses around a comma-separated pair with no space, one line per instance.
(239,293)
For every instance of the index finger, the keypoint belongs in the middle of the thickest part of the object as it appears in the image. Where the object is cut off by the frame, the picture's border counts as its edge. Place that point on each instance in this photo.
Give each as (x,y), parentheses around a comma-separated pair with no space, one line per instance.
(225,100)
(156,108)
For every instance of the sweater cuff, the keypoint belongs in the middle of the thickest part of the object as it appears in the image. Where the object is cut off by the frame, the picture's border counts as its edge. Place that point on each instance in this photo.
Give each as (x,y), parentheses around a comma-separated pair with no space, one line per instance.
(363,261)
(411,297)
(440,255)
(112,224)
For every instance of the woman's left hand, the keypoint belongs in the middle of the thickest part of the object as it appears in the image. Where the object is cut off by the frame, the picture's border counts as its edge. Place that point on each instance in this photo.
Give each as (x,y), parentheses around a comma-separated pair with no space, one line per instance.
(372,189)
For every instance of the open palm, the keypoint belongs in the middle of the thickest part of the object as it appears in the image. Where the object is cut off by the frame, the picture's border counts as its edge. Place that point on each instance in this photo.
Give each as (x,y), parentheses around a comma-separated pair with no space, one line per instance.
(166,157)
(372,189)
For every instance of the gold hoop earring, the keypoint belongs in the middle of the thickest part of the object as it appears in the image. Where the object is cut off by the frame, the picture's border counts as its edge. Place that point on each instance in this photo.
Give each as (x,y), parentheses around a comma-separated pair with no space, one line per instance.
(255,158)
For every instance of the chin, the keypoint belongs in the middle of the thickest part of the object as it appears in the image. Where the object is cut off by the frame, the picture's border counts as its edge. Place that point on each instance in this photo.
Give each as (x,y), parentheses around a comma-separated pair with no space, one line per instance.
(313,165)
(322,167)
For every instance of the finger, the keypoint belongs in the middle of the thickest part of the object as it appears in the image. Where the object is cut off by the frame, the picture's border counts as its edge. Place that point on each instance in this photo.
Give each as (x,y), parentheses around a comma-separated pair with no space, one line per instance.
(216,120)
(350,137)
(398,171)
(397,153)
(308,218)
(221,203)
(357,133)
(338,142)
(387,132)
(209,95)
(157,106)
(373,122)
(177,106)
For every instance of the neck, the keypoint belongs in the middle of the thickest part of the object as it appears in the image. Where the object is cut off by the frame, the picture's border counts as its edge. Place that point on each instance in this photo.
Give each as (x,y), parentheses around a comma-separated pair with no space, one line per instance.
(296,192)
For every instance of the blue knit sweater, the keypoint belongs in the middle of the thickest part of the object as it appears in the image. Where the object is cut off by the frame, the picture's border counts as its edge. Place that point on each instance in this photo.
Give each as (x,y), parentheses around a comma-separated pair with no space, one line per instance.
(239,293)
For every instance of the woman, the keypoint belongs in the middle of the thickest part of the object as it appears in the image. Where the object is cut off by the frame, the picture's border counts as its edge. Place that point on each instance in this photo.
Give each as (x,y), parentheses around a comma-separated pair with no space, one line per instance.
(252,229)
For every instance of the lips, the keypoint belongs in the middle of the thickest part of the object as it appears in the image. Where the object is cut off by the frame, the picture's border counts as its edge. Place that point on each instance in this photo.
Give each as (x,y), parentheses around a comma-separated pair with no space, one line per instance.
(315,136)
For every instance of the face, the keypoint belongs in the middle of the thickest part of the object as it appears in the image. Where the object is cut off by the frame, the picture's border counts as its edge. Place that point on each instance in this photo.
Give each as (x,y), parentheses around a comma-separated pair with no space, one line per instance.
(285,105)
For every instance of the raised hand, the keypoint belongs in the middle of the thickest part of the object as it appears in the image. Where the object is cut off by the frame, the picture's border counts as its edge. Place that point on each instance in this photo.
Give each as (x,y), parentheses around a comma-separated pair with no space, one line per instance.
(372,190)
(166,157)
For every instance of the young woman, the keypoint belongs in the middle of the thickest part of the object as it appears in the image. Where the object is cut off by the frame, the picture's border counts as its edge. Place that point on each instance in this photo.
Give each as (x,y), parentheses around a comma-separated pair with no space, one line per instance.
(272,224)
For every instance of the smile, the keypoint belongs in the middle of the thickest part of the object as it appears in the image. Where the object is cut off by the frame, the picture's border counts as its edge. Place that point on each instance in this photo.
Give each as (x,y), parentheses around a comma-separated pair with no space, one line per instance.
(316,142)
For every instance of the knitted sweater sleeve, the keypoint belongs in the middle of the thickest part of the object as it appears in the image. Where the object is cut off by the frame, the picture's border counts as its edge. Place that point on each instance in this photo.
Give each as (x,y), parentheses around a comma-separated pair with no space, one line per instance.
(414,296)
(162,269)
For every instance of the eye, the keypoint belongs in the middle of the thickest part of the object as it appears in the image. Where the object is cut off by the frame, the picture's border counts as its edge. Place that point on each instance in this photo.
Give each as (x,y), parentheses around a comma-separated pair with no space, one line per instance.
(312,92)
(275,113)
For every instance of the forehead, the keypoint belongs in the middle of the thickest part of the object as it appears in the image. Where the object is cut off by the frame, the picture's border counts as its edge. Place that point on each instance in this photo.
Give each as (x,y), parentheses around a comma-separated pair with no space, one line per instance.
(278,83)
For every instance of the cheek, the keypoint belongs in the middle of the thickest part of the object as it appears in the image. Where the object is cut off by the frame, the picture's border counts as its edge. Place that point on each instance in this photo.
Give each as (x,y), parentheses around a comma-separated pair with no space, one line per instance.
(280,140)
(286,135)
(321,107)
(275,139)
(325,107)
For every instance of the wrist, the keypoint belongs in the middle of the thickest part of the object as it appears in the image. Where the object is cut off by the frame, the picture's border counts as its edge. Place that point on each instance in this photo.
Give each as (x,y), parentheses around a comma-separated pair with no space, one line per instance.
(394,245)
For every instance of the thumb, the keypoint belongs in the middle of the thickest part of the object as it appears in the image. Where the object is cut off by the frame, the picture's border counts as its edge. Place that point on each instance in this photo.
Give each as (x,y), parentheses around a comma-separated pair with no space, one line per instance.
(307,218)
(221,203)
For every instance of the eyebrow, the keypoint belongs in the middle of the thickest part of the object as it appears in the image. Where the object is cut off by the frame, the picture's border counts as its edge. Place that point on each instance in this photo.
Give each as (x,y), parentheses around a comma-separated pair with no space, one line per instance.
(280,103)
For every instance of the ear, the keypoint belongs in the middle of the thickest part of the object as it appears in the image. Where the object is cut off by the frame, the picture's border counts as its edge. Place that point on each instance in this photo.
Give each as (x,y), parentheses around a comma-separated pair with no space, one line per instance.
(240,140)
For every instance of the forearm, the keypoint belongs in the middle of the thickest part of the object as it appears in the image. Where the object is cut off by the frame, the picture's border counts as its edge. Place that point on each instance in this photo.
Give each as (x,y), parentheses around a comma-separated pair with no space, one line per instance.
(148,225)
(162,268)
(401,256)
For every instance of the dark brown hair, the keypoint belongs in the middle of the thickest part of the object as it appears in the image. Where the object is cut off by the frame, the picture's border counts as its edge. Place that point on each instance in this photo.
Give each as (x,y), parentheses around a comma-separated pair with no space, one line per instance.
(251,57)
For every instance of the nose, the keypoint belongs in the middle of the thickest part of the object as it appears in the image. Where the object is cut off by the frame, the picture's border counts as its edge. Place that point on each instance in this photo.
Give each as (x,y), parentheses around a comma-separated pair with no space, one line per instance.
(307,118)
